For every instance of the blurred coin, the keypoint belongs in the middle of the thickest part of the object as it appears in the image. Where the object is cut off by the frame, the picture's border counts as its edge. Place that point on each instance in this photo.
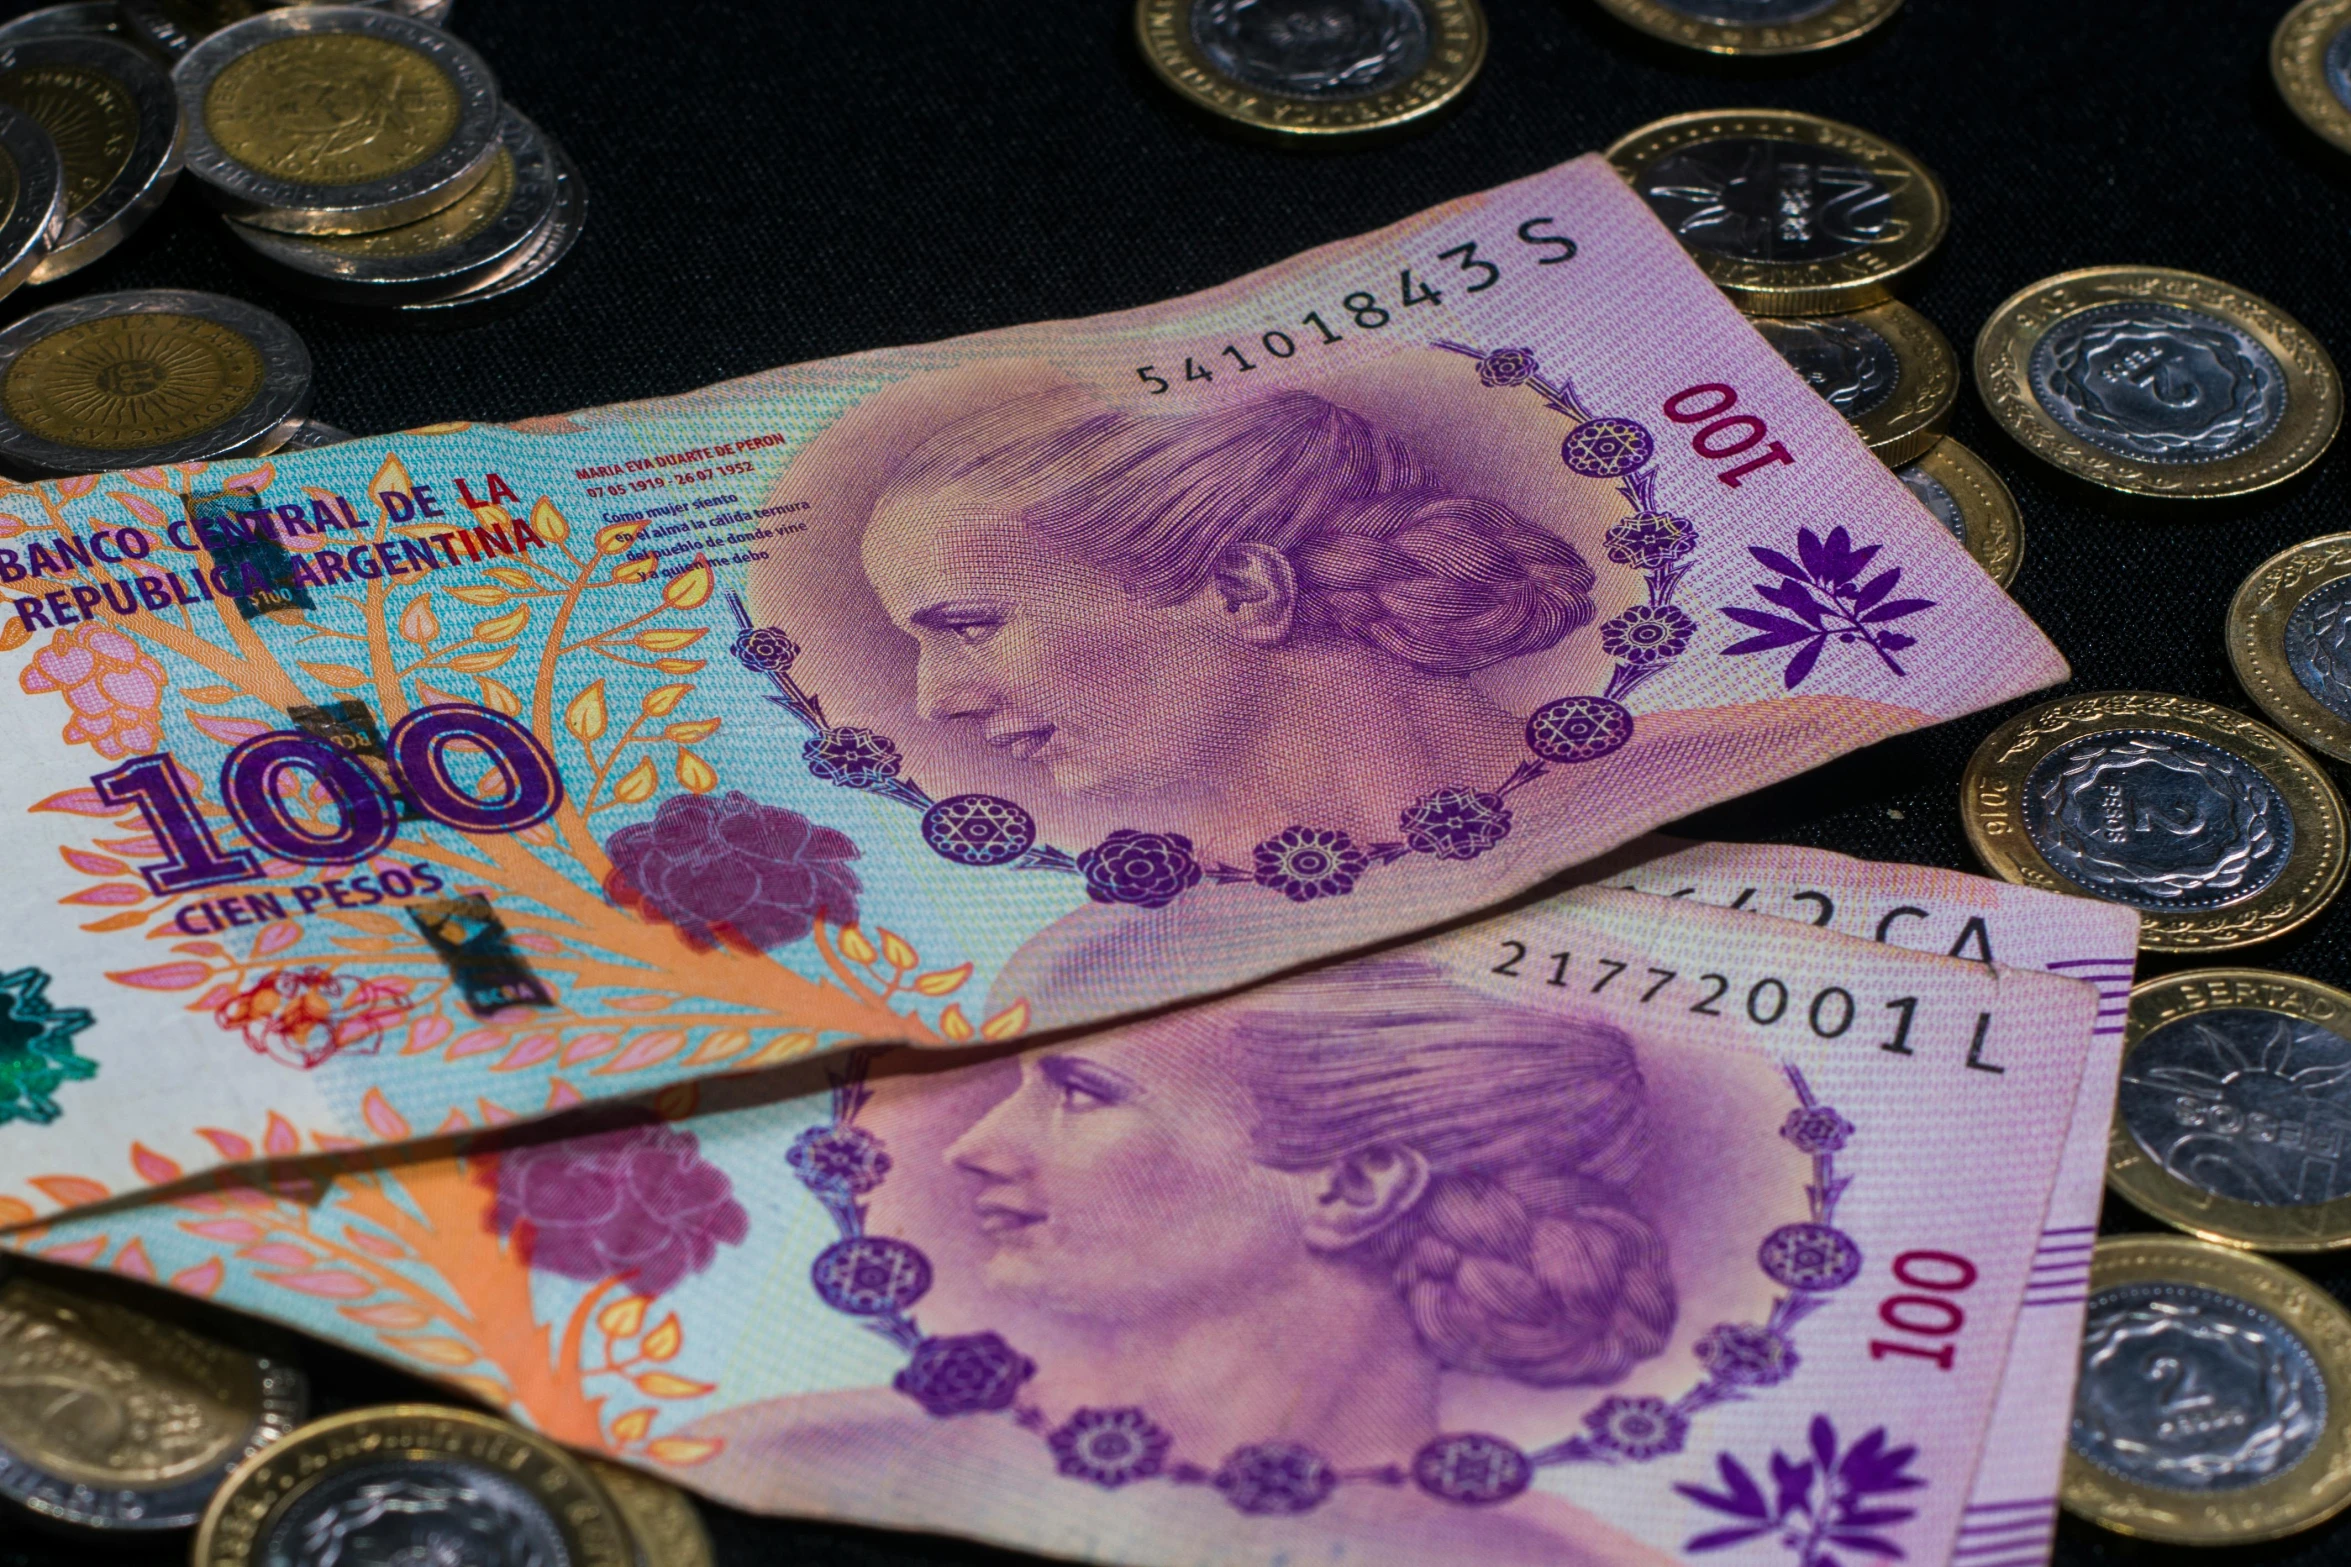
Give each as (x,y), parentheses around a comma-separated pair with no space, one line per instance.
(662,1523)
(2213,826)
(1789,214)
(334,120)
(2289,636)
(32,196)
(1758,27)
(554,242)
(173,27)
(455,248)
(113,1420)
(2234,1117)
(1315,69)
(1965,495)
(2157,382)
(75,19)
(2310,59)
(137,379)
(1886,369)
(116,122)
(306,434)
(412,1483)
(2214,1406)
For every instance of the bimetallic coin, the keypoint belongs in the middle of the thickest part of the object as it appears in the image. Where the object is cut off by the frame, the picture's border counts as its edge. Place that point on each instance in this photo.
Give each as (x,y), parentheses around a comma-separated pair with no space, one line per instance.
(1754,27)
(306,434)
(335,120)
(74,19)
(173,27)
(1789,214)
(2289,636)
(2213,826)
(662,1524)
(2234,1116)
(1886,369)
(554,242)
(2214,1403)
(138,379)
(2310,59)
(412,1483)
(116,122)
(1315,69)
(2157,382)
(32,196)
(1962,493)
(455,248)
(113,1420)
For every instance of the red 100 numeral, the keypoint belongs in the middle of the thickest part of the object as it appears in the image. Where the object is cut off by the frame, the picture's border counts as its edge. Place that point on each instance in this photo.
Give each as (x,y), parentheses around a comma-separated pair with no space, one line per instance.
(1926,1315)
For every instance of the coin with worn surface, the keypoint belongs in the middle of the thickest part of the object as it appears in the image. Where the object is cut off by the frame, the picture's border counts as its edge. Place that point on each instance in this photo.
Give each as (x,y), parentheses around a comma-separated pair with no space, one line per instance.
(412,1483)
(455,248)
(2289,636)
(1886,369)
(2213,826)
(2157,382)
(335,120)
(1755,27)
(2214,1402)
(2310,59)
(662,1524)
(173,27)
(112,113)
(32,196)
(2234,1117)
(554,241)
(153,376)
(1789,214)
(74,19)
(114,1420)
(1315,69)
(1960,490)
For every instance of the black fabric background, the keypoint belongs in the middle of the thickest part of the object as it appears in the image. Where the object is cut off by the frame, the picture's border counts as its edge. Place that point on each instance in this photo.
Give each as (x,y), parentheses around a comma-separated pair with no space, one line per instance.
(780,180)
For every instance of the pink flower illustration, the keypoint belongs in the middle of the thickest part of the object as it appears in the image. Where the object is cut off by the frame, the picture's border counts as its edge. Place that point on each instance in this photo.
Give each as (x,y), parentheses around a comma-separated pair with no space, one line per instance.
(114,688)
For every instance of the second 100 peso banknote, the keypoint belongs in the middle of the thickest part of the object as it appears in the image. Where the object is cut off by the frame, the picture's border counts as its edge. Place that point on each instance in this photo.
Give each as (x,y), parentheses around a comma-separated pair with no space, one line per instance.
(941,694)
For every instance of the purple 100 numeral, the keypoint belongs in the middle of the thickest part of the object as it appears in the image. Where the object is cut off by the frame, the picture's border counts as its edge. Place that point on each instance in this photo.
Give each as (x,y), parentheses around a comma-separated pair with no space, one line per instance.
(368,815)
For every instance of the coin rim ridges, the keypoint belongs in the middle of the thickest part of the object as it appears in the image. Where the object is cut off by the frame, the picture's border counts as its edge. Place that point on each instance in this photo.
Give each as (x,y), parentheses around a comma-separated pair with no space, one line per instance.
(1457,52)
(1840,23)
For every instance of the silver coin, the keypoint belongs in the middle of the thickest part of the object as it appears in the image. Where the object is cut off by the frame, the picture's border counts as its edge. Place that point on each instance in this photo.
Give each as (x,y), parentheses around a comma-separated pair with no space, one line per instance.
(1323,50)
(120,397)
(1939,501)
(2250,1105)
(173,27)
(1845,361)
(1754,198)
(307,434)
(32,196)
(2158,383)
(414,1510)
(115,120)
(302,175)
(2338,66)
(2318,646)
(455,248)
(75,19)
(2158,821)
(555,240)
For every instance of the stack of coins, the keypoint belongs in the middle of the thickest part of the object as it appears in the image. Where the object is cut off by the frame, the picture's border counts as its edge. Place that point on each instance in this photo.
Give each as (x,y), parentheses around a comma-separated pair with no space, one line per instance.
(172,27)
(365,156)
(1808,225)
(74,19)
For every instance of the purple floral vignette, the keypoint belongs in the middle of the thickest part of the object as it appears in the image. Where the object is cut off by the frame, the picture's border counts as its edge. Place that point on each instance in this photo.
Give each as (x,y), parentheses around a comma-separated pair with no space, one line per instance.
(1831,1496)
(1825,597)
(879,1279)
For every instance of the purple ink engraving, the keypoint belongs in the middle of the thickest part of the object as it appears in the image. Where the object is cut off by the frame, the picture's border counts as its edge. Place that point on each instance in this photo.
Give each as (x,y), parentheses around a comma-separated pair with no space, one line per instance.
(1508,367)
(1647,634)
(733,869)
(1823,591)
(975,1373)
(1816,1129)
(1147,869)
(639,1203)
(852,758)
(1637,1428)
(871,1275)
(1578,729)
(1455,823)
(765,650)
(1744,1355)
(255,772)
(1472,1469)
(1649,540)
(1607,448)
(1810,1257)
(418,746)
(1276,1477)
(1825,1498)
(1304,863)
(838,1160)
(1110,1447)
(979,830)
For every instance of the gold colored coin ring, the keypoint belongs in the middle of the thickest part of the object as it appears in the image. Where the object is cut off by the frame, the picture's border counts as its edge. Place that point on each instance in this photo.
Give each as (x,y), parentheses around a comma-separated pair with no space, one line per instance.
(1842,22)
(2298,64)
(555,240)
(1457,50)
(2311,1492)
(662,1523)
(143,167)
(2264,604)
(1995,528)
(1992,799)
(1859,277)
(32,197)
(2226,1221)
(2003,374)
(1911,420)
(259,1492)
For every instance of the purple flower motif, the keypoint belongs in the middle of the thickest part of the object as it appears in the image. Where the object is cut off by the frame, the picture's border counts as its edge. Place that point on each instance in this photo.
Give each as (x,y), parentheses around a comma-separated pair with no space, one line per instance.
(852,758)
(1816,1129)
(974,1373)
(1607,448)
(1455,823)
(765,650)
(1747,1356)
(1647,634)
(1810,1257)
(1304,863)
(1637,1428)
(1824,597)
(1276,1477)
(638,1203)
(1821,1498)
(978,830)
(838,1161)
(1578,729)
(1110,1447)
(1473,1469)
(1650,540)
(870,1275)
(734,870)
(1507,367)
(1147,869)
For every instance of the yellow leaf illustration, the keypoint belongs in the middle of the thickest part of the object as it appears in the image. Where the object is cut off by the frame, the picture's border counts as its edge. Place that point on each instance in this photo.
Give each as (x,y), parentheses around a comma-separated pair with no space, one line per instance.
(688,589)
(508,575)
(665,1341)
(617,537)
(475,663)
(662,1384)
(549,523)
(638,785)
(623,1318)
(436,1351)
(894,948)
(393,475)
(341,676)
(478,594)
(633,570)
(690,731)
(855,947)
(954,1024)
(784,1047)
(418,623)
(1008,1023)
(721,1045)
(503,628)
(585,716)
(679,666)
(944,983)
(680,1451)
(494,514)
(669,640)
(695,776)
(661,699)
(499,698)
(632,1427)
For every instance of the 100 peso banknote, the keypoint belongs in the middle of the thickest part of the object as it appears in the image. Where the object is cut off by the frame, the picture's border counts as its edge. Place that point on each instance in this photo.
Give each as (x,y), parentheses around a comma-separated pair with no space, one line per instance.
(941,694)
